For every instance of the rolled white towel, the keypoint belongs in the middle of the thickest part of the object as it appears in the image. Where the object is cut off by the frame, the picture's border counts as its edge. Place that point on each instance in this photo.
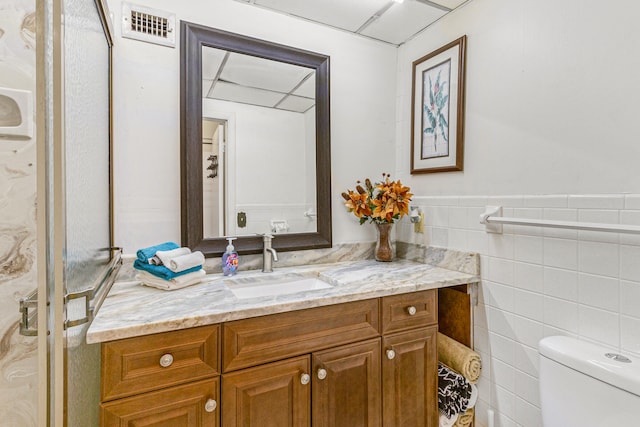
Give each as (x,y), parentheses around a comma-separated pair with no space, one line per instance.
(445,421)
(474,397)
(179,282)
(185,262)
(166,256)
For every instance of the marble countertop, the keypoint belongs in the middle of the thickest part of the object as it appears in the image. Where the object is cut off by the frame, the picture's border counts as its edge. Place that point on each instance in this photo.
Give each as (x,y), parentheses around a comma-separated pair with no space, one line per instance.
(132,310)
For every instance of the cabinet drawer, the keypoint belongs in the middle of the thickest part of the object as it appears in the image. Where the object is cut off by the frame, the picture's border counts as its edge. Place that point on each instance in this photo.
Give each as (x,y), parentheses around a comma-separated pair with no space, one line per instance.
(141,364)
(264,339)
(190,405)
(406,311)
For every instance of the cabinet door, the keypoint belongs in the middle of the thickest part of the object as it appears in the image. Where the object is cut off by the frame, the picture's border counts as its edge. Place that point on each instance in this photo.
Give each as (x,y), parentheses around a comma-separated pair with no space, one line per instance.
(409,379)
(191,405)
(346,386)
(272,395)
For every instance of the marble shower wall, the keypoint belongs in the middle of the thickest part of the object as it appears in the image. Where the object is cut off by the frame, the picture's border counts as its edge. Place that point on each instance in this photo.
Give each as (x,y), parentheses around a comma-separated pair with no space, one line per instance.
(18,354)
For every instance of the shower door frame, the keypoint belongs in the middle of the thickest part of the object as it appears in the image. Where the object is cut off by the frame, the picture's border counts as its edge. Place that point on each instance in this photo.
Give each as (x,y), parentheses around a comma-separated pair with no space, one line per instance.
(51,202)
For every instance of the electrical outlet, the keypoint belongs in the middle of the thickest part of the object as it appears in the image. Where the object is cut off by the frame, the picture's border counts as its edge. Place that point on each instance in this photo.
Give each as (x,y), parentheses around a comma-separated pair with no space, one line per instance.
(418,227)
(242,219)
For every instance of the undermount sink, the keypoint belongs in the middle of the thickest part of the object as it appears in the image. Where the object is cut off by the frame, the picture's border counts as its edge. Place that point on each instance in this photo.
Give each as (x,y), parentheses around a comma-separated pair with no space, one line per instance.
(269,286)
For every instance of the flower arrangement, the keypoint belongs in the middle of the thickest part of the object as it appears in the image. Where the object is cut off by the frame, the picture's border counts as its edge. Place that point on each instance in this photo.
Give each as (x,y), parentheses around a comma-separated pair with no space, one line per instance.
(381,203)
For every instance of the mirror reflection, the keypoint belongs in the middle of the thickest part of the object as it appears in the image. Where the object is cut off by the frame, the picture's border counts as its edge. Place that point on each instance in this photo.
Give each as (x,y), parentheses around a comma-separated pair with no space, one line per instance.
(258,145)
(259,181)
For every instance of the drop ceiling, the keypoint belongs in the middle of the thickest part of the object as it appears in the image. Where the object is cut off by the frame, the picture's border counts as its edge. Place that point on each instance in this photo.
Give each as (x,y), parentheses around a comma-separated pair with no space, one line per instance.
(384,20)
(234,77)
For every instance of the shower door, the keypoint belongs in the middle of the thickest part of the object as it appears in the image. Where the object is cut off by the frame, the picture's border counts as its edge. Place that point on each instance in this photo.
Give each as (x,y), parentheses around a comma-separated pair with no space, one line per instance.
(86,194)
(75,256)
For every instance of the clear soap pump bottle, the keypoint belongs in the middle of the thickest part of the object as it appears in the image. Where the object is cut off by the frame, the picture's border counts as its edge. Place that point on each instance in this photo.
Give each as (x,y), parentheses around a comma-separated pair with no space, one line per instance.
(230,259)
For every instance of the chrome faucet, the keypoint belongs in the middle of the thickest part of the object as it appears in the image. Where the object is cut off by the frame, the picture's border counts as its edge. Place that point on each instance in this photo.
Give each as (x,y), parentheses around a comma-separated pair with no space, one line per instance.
(269,255)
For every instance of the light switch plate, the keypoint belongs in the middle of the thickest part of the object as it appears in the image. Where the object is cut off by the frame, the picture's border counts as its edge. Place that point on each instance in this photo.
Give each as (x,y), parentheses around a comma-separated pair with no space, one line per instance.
(242,219)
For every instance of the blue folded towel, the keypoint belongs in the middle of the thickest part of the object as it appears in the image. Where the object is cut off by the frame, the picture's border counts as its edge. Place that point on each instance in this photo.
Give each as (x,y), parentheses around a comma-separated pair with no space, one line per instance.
(147,253)
(162,271)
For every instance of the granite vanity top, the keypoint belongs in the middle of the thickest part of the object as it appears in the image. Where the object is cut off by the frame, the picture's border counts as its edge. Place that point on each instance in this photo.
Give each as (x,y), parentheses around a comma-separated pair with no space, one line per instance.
(132,310)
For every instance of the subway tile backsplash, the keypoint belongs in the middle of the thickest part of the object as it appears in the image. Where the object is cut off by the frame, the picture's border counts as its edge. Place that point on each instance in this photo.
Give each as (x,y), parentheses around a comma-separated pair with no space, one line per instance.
(539,282)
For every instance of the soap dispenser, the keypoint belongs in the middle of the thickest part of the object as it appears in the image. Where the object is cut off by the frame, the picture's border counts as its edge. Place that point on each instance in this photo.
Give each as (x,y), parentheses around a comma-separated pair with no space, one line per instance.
(230,259)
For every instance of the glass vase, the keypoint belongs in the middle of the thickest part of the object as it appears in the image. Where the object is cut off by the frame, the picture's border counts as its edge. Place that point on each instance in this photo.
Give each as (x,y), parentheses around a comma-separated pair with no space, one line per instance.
(384,248)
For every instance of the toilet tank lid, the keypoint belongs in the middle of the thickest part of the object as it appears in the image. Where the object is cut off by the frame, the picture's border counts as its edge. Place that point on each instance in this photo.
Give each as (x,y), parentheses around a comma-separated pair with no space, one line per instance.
(590,359)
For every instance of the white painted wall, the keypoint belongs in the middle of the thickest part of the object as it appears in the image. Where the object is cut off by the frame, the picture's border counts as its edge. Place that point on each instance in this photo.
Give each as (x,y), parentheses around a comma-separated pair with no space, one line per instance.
(552,93)
(147,122)
(268,145)
(551,103)
(551,89)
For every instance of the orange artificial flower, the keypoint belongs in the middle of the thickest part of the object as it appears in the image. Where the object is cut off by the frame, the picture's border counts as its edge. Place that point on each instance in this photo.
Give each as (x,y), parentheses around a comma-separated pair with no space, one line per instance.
(383,203)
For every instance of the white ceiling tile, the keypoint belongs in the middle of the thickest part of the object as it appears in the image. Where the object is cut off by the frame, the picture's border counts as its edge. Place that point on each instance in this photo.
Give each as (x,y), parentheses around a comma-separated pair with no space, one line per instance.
(451,4)
(346,14)
(245,95)
(308,88)
(262,73)
(402,21)
(296,103)
(211,60)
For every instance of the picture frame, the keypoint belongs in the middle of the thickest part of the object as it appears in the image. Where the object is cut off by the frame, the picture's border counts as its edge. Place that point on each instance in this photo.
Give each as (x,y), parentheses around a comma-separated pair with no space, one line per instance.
(437,109)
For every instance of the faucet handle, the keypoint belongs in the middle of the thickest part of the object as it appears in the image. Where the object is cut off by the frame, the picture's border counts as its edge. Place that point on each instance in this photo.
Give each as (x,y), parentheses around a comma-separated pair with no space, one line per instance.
(266,236)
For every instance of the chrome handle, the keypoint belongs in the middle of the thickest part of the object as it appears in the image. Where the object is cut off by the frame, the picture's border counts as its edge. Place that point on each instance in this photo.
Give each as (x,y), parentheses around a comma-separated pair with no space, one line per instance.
(166,360)
(305,379)
(411,310)
(322,374)
(391,354)
(211,405)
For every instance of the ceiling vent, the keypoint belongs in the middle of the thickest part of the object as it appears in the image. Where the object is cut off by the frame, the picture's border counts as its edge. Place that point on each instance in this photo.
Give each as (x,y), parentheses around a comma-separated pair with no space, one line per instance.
(148,25)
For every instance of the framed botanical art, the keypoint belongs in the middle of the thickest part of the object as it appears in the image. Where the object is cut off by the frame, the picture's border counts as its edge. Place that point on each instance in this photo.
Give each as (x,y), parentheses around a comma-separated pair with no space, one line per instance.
(437,102)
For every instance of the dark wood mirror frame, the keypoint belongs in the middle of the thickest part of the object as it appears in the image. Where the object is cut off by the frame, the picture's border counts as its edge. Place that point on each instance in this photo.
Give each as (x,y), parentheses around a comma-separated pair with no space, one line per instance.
(193,38)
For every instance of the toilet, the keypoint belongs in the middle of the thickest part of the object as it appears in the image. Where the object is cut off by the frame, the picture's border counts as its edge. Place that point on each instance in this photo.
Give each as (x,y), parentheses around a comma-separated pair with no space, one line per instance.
(586,385)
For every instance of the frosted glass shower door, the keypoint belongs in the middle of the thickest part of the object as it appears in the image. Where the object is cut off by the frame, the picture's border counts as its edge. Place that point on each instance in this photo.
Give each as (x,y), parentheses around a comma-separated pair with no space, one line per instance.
(87,148)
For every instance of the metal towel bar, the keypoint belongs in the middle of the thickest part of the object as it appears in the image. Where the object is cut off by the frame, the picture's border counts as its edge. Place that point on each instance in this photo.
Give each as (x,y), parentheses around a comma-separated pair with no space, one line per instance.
(93,296)
(493,220)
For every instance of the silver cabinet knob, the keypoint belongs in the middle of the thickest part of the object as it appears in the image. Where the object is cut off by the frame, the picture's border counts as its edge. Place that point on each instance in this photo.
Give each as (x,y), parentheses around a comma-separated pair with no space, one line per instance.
(211,405)
(391,354)
(411,310)
(166,360)
(322,374)
(305,379)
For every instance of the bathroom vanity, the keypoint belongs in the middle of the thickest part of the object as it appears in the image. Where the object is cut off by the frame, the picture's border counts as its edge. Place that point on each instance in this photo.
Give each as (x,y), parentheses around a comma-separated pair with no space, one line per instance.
(360,351)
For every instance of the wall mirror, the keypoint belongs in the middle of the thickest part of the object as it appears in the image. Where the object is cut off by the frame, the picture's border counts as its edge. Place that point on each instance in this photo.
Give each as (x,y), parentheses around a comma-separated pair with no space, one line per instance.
(255,143)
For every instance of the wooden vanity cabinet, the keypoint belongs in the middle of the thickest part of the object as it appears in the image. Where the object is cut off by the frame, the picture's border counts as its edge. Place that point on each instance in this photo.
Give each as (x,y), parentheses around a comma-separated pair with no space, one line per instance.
(409,379)
(346,386)
(189,405)
(273,395)
(342,340)
(410,359)
(383,374)
(161,380)
(366,363)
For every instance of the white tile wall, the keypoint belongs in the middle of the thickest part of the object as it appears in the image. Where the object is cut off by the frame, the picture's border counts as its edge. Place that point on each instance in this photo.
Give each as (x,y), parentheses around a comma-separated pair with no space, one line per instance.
(539,282)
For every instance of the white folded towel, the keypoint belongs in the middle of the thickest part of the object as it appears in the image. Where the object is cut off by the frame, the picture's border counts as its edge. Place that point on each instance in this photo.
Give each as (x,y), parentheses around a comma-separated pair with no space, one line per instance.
(179,282)
(445,421)
(185,262)
(474,397)
(166,256)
